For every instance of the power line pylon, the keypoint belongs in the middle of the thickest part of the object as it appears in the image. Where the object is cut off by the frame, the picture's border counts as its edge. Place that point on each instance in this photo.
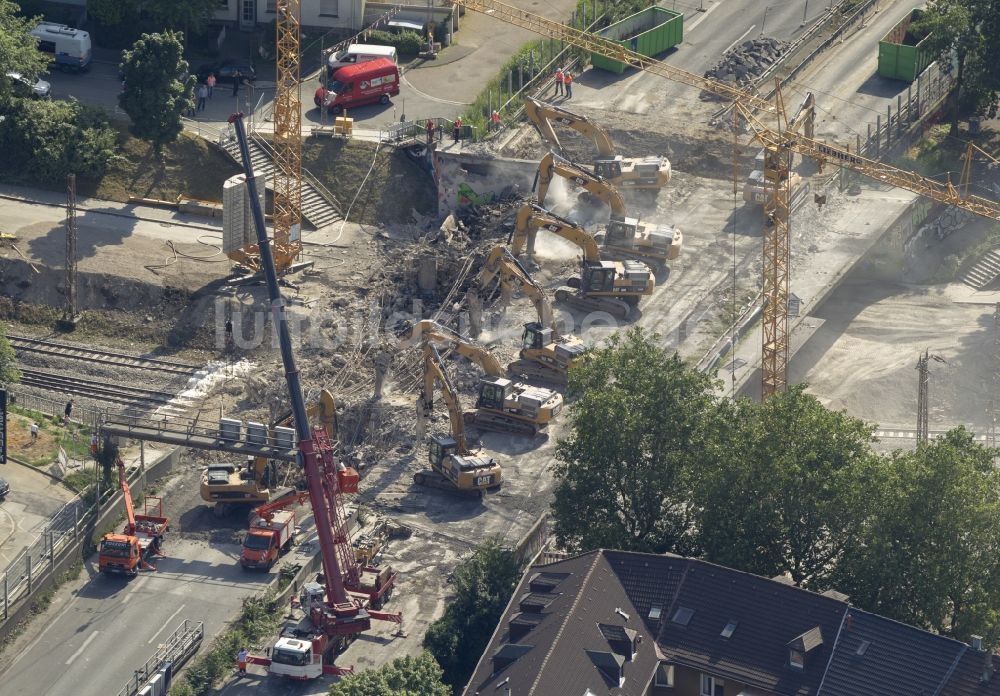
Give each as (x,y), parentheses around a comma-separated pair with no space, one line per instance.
(69,315)
(923,408)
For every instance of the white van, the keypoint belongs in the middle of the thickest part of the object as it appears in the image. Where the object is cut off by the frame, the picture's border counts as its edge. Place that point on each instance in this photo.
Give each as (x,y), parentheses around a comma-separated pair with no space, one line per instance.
(360,53)
(70,47)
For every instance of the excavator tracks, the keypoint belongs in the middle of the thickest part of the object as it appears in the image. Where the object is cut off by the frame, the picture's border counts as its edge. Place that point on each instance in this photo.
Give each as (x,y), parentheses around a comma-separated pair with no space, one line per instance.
(618,309)
(499,423)
(432,479)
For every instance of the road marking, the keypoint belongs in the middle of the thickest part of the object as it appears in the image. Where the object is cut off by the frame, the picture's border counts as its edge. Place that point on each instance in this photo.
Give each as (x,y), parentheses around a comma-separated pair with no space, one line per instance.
(55,622)
(704,14)
(82,647)
(166,623)
(133,587)
(726,50)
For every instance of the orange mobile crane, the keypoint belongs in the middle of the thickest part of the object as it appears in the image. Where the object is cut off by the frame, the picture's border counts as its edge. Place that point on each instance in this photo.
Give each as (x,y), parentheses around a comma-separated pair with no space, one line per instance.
(791,135)
(351,594)
(140,541)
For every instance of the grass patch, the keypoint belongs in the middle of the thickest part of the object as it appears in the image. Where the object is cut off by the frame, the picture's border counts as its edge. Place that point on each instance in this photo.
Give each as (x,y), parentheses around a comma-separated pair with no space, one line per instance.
(396,186)
(189,166)
(937,153)
(74,438)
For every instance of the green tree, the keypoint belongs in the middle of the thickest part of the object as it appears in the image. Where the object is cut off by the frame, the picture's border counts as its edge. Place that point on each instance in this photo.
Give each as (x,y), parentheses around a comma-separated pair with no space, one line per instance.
(928,550)
(185,15)
(636,431)
(112,12)
(774,491)
(483,586)
(404,676)
(959,28)
(107,457)
(8,359)
(18,48)
(158,87)
(48,139)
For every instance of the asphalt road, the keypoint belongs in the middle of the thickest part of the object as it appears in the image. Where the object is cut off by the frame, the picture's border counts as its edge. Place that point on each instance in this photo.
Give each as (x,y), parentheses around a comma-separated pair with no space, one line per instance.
(33,498)
(90,644)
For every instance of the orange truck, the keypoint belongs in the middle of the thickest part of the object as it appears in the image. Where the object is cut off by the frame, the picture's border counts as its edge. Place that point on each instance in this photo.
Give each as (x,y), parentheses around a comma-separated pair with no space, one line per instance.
(140,541)
(271,532)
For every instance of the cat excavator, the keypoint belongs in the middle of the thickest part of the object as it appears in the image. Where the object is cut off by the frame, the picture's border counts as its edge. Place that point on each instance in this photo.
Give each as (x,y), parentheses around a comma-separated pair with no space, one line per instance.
(623,235)
(603,286)
(503,405)
(453,466)
(651,172)
(545,354)
(229,485)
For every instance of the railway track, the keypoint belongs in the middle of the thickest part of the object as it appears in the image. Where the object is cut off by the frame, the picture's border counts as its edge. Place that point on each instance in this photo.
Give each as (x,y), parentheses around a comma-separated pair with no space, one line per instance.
(23,344)
(93,389)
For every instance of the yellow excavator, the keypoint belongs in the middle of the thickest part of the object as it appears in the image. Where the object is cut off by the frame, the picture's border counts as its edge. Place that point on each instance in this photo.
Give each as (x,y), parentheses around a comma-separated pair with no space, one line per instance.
(453,466)
(228,485)
(503,405)
(603,286)
(623,234)
(651,172)
(545,354)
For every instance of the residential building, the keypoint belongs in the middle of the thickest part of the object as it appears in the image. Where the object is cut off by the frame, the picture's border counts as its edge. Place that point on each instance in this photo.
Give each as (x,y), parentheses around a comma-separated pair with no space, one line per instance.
(632,624)
(315,14)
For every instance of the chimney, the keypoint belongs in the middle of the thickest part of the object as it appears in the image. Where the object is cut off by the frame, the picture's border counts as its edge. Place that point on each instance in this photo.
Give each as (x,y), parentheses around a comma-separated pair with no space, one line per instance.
(987,667)
(977,642)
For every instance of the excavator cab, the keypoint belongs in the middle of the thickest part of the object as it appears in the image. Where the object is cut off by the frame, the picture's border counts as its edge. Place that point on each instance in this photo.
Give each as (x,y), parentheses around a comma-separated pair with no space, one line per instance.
(535,336)
(494,392)
(441,447)
(598,276)
(608,168)
(621,231)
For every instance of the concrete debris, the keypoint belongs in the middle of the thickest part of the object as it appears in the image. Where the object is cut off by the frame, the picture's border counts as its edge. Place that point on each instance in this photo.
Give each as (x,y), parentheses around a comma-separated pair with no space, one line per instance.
(744,63)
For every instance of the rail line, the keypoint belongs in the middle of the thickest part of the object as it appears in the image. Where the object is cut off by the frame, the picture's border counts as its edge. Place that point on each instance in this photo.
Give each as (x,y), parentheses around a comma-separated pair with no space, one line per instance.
(92,389)
(64,350)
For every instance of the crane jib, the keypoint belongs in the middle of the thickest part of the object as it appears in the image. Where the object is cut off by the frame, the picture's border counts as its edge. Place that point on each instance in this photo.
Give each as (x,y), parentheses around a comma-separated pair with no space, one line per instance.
(839,155)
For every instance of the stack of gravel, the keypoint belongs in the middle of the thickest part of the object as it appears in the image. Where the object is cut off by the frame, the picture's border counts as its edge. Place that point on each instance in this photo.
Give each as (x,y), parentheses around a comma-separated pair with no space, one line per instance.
(746,62)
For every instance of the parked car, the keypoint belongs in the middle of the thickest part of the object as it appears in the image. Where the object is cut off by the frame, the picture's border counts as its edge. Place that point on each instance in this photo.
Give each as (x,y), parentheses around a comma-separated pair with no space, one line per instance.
(225,70)
(23,87)
(4,489)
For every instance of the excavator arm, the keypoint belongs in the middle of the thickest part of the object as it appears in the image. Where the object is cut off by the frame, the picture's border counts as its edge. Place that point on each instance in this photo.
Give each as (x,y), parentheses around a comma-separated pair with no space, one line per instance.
(434,371)
(542,115)
(503,263)
(428,330)
(531,217)
(553,164)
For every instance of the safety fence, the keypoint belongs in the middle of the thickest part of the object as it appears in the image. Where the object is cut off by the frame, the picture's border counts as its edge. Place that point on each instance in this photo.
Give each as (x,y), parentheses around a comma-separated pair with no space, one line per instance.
(88,416)
(153,678)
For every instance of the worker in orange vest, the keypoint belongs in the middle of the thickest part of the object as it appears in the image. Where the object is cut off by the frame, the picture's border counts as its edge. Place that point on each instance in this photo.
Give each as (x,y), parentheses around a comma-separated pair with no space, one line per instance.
(559,81)
(568,84)
(495,122)
(458,127)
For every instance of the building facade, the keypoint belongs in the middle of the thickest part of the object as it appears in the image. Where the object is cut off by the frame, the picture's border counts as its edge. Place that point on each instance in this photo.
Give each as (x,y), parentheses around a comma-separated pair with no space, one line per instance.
(315,14)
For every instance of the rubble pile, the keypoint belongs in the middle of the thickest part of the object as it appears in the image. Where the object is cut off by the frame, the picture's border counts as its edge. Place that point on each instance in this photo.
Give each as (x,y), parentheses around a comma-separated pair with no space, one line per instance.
(744,63)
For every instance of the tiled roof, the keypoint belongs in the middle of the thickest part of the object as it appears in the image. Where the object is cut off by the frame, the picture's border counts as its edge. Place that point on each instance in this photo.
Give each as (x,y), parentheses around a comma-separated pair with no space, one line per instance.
(877,656)
(571,626)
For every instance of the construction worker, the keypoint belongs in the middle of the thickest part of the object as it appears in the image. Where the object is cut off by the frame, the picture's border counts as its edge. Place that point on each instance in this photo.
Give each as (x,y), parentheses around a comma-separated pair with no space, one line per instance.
(34,431)
(93,445)
(559,81)
(495,122)
(241,658)
(430,131)
(568,84)
(458,128)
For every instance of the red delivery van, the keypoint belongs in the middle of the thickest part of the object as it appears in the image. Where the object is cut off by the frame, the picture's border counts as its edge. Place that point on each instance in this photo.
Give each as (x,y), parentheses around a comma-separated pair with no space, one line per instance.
(356,85)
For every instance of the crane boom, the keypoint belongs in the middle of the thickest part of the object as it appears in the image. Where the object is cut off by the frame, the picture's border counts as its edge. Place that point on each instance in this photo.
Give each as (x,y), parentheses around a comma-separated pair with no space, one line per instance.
(333,572)
(287,134)
(427,330)
(531,217)
(434,370)
(501,262)
(553,164)
(542,115)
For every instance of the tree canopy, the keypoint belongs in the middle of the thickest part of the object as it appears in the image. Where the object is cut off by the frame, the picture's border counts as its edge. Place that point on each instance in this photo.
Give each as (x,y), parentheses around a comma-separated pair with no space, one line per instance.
(158,87)
(404,676)
(18,48)
(8,360)
(655,461)
(121,21)
(483,585)
(636,427)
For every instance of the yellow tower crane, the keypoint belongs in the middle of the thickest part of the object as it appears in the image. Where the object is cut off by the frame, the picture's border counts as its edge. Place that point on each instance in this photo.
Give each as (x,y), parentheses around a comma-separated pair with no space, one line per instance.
(779,143)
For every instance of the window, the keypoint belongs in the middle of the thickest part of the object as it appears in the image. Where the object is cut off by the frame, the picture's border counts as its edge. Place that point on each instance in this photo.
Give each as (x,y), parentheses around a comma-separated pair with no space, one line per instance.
(655,612)
(223,4)
(329,8)
(710,686)
(796,659)
(682,616)
(664,675)
(270,6)
(727,632)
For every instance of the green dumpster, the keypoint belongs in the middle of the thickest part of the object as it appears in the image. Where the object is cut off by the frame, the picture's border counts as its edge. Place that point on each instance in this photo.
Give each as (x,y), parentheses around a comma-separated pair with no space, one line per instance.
(649,32)
(902,53)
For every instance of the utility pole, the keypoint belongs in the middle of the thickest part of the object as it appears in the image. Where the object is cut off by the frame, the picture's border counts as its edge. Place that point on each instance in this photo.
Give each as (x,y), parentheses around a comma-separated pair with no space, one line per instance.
(923,395)
(69,317)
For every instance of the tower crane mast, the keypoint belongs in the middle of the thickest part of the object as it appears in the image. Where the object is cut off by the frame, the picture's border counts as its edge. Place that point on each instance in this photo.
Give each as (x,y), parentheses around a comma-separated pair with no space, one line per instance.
(287,136)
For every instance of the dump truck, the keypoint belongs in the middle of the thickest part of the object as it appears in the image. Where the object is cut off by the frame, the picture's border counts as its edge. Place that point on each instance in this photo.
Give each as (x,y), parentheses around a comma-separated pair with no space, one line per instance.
(141,539)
